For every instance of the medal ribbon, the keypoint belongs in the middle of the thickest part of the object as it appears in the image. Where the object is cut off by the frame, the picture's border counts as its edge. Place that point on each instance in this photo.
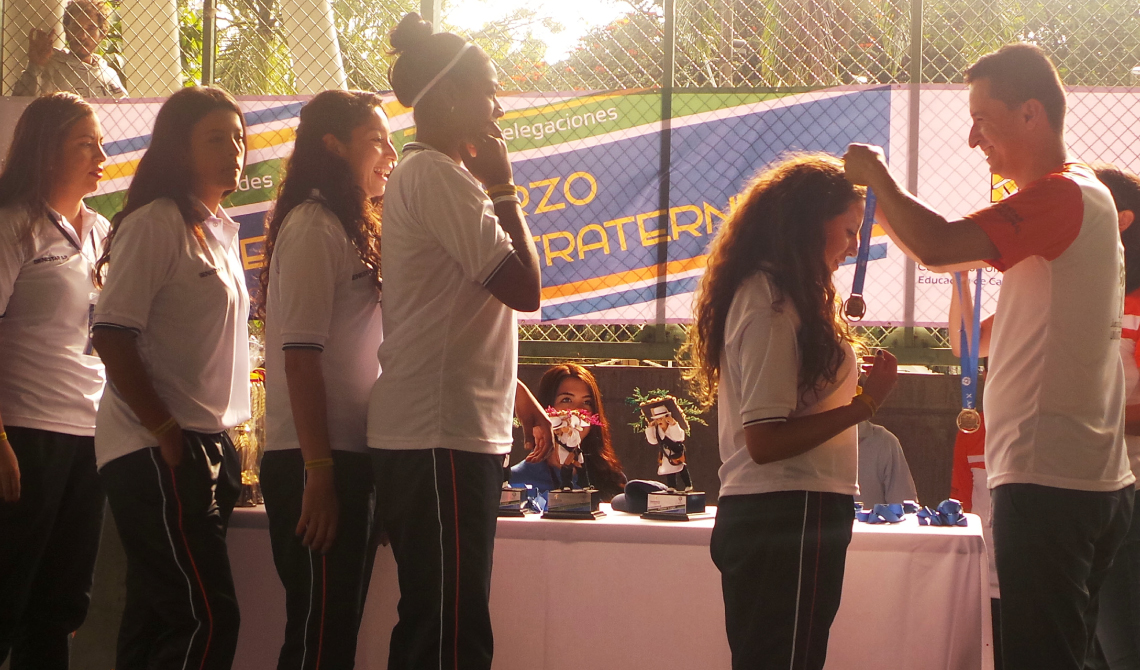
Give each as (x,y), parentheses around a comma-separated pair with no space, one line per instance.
(855,307)
(970,346)
(864,245)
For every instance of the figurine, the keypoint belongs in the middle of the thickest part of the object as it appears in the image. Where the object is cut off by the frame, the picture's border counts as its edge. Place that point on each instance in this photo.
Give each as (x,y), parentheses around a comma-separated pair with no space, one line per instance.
(666,428)
(569,427)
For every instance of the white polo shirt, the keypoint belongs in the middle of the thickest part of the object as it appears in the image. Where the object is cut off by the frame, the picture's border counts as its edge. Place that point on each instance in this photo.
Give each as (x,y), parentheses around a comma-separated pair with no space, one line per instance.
(450,350)
(189,307)
(759,383)
(321,297)
(1054,399)
(50,379)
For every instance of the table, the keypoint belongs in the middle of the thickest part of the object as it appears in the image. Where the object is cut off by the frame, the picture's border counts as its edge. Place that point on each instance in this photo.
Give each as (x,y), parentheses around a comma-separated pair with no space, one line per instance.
(913,597)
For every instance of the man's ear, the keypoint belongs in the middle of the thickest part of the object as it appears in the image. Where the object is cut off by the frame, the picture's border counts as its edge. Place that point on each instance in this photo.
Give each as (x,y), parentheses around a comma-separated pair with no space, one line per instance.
(1033,113)
(1125,218)
(334,146)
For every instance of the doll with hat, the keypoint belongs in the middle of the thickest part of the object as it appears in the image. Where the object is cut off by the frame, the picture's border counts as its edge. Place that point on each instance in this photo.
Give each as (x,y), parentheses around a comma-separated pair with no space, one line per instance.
(666,428)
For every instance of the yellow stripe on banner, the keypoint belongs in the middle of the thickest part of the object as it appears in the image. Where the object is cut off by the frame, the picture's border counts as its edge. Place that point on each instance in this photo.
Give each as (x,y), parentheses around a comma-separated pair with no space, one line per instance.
(117,170)
(269,138)
(621,278)
(394,108)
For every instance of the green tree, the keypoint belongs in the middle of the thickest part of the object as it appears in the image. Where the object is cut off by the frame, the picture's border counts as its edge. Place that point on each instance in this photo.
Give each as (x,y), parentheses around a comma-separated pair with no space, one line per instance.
(517,52)
(625,54)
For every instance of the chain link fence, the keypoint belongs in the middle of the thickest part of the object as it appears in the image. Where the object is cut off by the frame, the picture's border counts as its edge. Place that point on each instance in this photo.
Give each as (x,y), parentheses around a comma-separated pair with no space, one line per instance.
(632,123)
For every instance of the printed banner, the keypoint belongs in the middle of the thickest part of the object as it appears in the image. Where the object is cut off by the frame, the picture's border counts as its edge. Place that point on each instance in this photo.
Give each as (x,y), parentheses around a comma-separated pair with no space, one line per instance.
(589,168)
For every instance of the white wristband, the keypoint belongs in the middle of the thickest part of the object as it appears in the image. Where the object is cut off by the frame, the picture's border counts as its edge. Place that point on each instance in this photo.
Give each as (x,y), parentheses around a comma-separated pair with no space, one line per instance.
(506,198)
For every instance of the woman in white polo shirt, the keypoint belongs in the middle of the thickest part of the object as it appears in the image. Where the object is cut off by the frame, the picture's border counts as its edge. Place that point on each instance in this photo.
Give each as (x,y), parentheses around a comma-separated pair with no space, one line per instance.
(170,326)
(322,329)
(770,346)
(458,262)
(51,504)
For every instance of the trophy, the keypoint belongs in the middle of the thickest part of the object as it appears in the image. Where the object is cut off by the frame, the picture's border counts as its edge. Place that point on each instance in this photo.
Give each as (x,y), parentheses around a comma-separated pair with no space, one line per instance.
(665,423)
(568,501)
(512,501)
(249,442)
(574,504)
(675,505)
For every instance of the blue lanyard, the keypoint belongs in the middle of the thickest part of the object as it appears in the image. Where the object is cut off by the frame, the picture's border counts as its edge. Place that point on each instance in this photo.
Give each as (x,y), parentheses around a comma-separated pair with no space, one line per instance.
(969,357)
(856,307)
(864,245)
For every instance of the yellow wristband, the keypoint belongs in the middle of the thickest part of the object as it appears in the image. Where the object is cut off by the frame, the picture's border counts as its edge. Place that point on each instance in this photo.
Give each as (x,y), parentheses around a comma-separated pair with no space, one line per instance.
(867,400)
(3,435)
(318,463)
(164,427)
(502,189)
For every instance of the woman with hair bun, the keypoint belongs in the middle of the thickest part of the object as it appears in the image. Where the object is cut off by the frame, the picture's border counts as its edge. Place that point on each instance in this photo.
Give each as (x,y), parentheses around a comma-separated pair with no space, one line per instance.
(458,261)
(322,328)
(769,344)
(51,503)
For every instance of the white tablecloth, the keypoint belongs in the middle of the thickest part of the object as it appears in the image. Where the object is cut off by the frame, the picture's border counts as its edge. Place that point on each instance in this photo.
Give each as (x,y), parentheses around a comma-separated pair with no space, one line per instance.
(625,593)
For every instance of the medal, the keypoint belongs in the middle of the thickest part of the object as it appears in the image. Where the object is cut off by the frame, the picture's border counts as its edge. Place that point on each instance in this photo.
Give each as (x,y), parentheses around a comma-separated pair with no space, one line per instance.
(856,307)
(969,421)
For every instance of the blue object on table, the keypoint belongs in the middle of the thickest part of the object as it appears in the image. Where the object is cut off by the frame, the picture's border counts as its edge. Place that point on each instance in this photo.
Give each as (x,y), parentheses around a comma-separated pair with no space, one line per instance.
(892,513)
(948,513)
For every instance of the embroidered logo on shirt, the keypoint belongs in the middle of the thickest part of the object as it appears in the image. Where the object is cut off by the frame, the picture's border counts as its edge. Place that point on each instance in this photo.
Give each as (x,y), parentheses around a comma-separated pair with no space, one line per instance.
(1010,214)
(208,273)
(48,259)
(360,275)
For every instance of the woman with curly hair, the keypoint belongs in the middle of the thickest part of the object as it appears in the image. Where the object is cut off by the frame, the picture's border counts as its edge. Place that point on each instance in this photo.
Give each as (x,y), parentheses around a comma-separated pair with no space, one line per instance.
(322,327)
(770,345)
(569,386)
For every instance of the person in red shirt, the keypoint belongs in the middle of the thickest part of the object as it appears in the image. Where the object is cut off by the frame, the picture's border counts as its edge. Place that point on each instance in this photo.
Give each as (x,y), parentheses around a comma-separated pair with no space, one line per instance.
(1118,628)
(1056,462)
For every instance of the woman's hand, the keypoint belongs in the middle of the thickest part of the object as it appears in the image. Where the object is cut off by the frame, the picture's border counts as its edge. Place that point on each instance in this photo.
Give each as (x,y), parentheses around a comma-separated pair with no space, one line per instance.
(171,446)
(319,511)
(487,159)
(882,375)
(9,473)
(537,430)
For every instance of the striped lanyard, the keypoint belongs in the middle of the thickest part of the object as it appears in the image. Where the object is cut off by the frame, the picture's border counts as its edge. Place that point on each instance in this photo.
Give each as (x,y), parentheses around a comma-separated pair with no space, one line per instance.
(968,419)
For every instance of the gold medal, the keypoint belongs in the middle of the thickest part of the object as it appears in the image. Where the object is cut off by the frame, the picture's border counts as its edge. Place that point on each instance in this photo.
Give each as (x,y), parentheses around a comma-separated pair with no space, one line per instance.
(969,421)
(855,307)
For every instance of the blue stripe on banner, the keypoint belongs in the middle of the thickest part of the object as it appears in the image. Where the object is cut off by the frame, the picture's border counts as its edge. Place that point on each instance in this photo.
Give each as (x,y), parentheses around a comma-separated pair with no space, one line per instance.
(620,299)
(877,252)
(289,111)
(119,147)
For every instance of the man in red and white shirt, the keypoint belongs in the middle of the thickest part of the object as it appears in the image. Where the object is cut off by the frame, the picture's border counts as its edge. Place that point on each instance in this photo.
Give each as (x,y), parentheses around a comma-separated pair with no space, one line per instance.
(1062,489)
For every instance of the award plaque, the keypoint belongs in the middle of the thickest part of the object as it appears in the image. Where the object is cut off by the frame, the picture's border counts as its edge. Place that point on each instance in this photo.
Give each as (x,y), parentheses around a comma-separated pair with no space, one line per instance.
(969,421)
(675,505)
(512,502)
(576,504)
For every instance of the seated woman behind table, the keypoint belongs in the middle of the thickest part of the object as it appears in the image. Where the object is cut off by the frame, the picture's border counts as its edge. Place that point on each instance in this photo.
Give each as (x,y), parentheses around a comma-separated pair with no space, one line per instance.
(570,386)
